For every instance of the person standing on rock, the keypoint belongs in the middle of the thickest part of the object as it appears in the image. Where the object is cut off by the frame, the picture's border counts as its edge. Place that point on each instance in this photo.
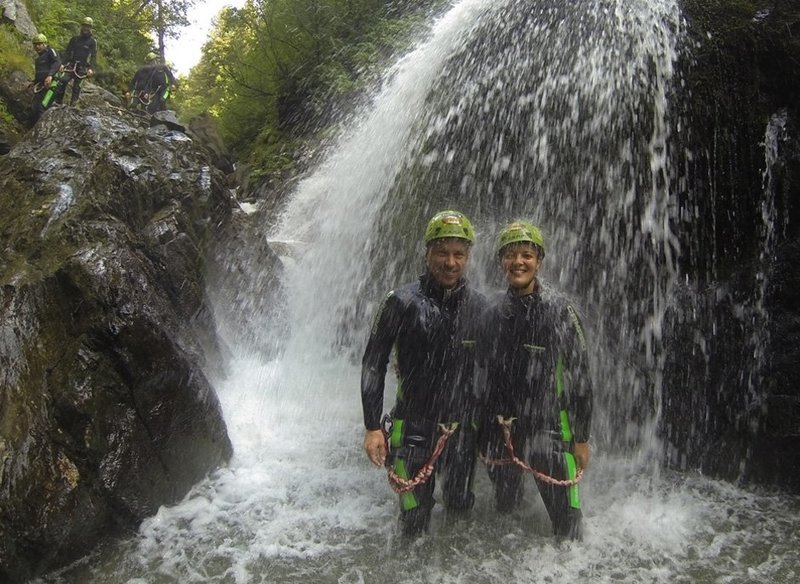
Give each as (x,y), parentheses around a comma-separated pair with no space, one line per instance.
(538,399)
(139,90)
(432,325)
(80,58)
(162,84)
(151,85)
(46,66)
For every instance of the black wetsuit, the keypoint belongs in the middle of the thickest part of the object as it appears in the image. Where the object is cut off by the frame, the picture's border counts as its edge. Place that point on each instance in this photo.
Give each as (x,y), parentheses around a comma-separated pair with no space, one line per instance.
(534,350)
(46,65)
(140,87)
(82,53)
(153,81)
(434,331)
(161,80)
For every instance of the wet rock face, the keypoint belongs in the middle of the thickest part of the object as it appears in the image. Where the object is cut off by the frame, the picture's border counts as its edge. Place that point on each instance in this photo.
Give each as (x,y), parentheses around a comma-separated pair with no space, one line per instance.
(105,331)
(205,130)
(17,95)
(731,401)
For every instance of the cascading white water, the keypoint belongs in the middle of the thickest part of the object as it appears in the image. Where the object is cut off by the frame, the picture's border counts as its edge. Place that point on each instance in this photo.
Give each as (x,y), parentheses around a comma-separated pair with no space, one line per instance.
(579,144)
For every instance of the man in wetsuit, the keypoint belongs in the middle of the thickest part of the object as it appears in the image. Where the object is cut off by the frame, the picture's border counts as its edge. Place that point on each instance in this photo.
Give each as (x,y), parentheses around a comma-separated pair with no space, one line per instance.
(161,85)
(46,67)
(151,85)
(139,89)
(534,350)
(80,57)
(432,324)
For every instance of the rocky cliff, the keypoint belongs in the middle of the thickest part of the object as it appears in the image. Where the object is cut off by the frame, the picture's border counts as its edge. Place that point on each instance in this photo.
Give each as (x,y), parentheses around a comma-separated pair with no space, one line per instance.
(105,330)
(731,401)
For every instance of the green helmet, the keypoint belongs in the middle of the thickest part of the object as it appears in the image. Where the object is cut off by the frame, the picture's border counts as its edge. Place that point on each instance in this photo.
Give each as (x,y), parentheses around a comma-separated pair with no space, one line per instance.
(520,232)
(449,224)
(151,56)
(88,21)
(39,38)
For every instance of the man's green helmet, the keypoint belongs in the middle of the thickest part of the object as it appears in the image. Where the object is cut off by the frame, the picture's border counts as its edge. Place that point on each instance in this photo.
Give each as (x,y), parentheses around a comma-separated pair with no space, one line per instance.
(39,38)
(521,232)
(88,21)
(151,56)
(449,224)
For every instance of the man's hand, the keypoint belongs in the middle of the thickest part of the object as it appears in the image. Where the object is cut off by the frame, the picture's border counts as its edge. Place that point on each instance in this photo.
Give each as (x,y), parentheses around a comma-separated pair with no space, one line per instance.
(375,446)
(47,81)
(89,72)
(581,453)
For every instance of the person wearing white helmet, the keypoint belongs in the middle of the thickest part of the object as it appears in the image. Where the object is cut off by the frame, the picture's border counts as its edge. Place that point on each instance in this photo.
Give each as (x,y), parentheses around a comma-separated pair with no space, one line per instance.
(538,399)
(80,58)
(432,326)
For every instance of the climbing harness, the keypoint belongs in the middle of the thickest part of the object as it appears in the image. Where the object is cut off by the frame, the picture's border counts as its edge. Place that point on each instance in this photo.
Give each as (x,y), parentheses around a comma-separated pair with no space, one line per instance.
(72,68)
(505,425)
(400,485)
(140,100)
(49,92)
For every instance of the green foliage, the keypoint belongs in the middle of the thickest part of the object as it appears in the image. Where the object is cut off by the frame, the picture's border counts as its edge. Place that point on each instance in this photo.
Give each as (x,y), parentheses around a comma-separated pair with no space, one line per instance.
(275,71)
(12,52)
(123,29)
(5,117)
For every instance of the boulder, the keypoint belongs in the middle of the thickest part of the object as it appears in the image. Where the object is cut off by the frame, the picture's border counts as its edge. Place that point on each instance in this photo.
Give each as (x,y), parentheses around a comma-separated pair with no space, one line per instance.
(17,94)
(167,118)
(16,12)
(203,128)
(106,334)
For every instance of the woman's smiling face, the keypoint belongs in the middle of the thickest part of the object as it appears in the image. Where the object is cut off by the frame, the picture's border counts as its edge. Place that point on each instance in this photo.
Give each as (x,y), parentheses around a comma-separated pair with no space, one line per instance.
(520,263)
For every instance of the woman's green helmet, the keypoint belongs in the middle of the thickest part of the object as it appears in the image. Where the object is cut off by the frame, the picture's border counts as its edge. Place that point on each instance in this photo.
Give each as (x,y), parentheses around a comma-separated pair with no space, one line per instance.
(150,57)
(39,38)
(87,21)
(449,224)
(521,232)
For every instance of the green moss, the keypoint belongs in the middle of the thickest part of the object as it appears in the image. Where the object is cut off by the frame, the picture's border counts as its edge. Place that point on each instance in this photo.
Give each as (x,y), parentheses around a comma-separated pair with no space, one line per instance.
(271,153)
(13,56)
(5,116)
(28,255)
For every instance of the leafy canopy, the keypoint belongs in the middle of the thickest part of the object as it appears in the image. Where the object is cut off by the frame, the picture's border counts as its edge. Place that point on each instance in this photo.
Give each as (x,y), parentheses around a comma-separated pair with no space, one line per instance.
(275,71)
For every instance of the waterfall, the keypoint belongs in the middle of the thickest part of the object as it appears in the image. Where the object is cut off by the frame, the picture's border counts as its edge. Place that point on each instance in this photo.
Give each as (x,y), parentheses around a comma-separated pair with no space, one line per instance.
(553,111)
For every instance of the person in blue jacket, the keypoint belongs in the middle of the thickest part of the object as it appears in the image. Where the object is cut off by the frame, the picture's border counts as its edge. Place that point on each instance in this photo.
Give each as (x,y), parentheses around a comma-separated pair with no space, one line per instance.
(537,370)
(432,325)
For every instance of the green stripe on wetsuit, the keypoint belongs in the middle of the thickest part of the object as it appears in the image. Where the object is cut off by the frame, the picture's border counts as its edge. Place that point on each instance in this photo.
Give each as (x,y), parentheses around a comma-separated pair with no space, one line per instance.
(572,471)
(566,435)
(407,500)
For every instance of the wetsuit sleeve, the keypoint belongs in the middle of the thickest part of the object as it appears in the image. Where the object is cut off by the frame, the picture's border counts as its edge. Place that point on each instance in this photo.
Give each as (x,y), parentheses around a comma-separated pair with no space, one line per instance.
(55,63)
(92,59)
(581,394)
(139,80)
(68,52)
(376,358)
(483,352)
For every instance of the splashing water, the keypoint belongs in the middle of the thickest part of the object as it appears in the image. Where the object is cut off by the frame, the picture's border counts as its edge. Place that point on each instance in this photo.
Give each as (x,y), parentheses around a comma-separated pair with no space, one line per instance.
(554,112)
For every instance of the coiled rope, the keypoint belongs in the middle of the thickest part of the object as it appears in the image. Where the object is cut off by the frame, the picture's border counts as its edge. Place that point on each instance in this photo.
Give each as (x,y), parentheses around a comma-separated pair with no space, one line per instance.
(400,485)
(505,426)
